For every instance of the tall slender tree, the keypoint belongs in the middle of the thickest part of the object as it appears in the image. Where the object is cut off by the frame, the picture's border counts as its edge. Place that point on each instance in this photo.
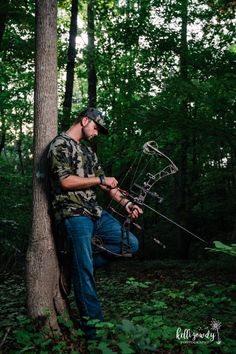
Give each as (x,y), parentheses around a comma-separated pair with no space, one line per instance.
(44,299)
(182,211)
(70,68)
(3,18)
(92,75)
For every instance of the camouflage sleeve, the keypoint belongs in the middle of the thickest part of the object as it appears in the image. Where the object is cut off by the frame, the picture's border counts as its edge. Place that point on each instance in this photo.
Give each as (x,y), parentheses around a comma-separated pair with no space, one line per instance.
(59,158)
(98,171)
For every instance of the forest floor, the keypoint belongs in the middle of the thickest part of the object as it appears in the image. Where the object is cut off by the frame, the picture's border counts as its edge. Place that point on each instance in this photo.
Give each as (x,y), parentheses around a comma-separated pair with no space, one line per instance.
(166,306)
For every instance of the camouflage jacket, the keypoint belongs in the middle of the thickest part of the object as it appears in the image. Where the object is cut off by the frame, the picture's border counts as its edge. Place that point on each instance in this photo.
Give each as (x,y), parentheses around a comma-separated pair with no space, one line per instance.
(68,157)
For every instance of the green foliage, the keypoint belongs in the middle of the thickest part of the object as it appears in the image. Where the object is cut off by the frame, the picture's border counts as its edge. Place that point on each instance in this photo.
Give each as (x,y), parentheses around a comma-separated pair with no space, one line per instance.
(138,319)
(25,336)
(222,248)
(183,299)
(232,48)
(134,284)
(15,206)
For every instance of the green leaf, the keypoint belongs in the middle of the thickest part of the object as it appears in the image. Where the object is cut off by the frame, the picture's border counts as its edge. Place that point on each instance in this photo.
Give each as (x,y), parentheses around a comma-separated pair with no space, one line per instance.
(221,247)
(125,348)
(104,348)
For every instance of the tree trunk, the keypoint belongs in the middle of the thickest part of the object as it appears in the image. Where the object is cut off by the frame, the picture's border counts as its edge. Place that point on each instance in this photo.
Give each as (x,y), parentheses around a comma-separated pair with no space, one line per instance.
(44,299)
(182,205)
(184,240)
(3,132)
(184,43)
(92,76)
(19,149)
(4,6)
(67,104)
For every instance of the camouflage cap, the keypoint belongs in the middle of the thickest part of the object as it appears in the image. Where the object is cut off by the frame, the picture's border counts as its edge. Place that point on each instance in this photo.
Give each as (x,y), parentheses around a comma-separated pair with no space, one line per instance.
(97,117)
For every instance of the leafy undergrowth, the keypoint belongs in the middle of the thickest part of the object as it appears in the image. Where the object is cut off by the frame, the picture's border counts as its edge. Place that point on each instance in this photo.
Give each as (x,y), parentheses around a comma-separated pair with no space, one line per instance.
(150,307)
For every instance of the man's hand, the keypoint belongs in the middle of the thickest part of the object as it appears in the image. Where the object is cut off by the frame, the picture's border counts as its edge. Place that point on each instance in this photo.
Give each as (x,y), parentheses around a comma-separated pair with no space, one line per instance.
(133,209)
(110,182)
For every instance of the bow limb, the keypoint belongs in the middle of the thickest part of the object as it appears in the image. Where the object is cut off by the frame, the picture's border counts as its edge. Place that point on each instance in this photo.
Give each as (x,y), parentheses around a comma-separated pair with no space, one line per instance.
(166,171)
(151,148)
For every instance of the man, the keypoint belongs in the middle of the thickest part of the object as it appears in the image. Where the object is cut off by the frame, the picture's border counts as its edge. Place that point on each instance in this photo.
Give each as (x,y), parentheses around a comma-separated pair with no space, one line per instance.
(75,172)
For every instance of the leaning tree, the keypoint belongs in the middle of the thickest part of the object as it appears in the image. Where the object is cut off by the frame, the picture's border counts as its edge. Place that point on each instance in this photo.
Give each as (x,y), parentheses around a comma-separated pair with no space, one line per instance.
(44,297)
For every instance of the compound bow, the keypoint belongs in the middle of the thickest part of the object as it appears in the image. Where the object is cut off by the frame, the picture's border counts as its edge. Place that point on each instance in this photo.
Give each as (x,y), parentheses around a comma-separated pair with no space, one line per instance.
(138,193)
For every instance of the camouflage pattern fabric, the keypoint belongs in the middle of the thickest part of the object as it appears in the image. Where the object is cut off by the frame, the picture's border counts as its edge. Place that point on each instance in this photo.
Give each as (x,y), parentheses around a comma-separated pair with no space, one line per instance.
(68,157)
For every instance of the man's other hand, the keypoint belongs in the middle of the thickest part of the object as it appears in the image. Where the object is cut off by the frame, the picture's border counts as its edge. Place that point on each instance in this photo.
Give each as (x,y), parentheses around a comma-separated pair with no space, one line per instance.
(134,210)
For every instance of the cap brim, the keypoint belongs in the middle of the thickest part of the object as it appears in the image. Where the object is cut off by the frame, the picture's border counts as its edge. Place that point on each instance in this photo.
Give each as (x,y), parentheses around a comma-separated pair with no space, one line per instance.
(102,129)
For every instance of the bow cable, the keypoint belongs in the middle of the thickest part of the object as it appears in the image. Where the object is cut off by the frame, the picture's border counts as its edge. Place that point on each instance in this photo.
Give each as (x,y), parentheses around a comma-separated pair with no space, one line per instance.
(175,223)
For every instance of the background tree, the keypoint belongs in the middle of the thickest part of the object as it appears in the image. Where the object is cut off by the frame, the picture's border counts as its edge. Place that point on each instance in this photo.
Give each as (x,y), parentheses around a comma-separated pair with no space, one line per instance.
(70,68)
(91,56)
(3,18)
(183,208)
(16,77)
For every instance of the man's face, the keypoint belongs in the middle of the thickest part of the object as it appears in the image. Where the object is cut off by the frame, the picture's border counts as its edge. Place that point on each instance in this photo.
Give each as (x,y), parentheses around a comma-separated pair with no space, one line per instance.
(89,128)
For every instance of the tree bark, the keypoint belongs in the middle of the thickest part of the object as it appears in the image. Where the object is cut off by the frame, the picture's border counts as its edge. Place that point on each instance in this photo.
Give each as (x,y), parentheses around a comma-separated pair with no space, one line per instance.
(44,299)
(182,205)
(70,69)
(4,6)
(92,75)
(184,43)
(3,132)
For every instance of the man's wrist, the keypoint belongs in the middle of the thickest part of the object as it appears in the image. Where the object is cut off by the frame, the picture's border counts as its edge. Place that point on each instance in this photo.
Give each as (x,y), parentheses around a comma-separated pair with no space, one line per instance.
(102,179)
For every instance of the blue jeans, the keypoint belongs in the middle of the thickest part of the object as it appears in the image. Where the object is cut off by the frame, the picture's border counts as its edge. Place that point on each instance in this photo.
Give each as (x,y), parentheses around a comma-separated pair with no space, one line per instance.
(80,230)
